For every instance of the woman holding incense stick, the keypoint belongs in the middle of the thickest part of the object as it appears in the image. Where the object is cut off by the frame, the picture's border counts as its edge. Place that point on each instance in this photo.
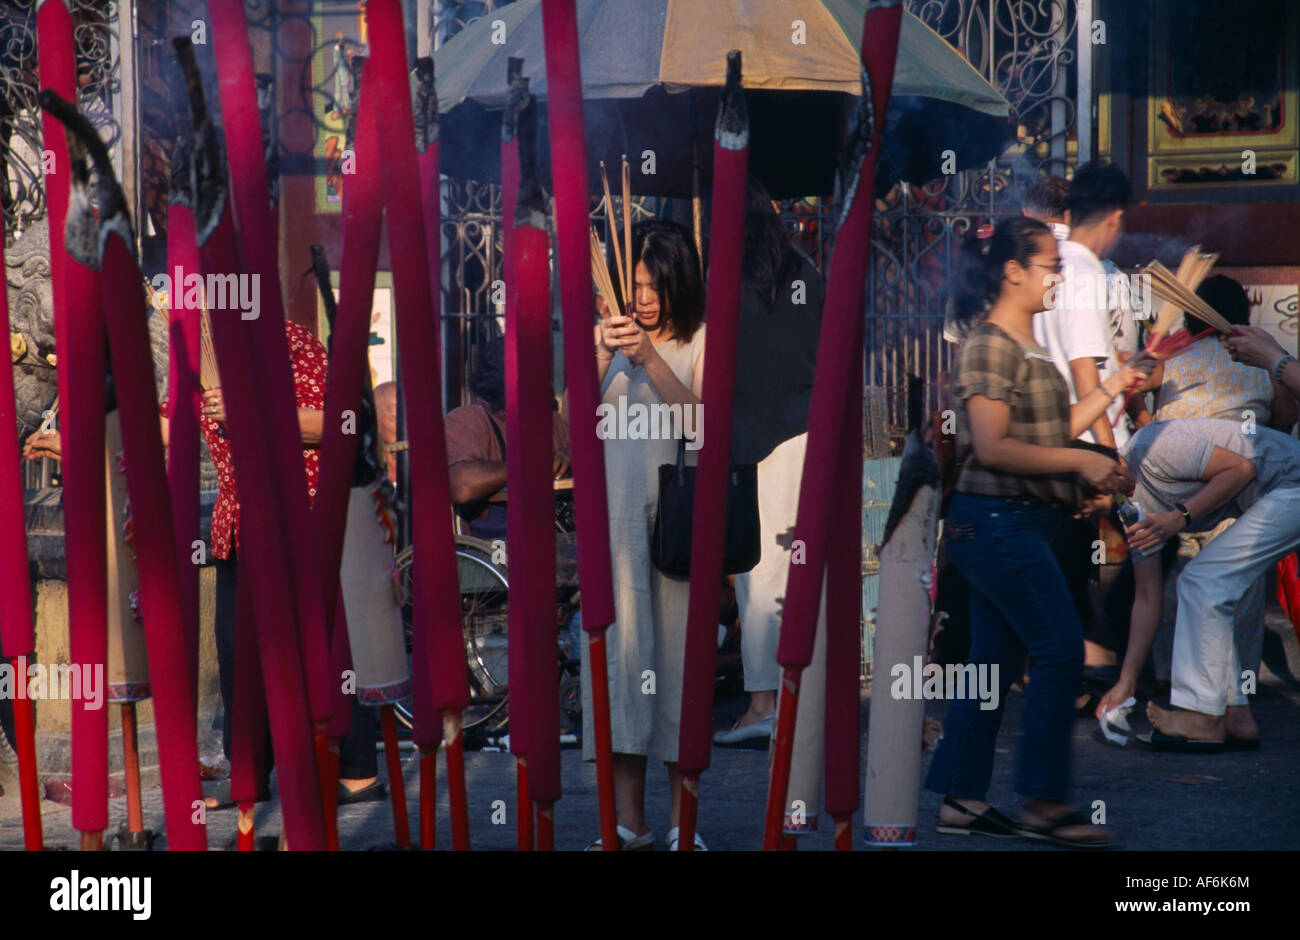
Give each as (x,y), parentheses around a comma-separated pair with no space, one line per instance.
(654,356)
(1019,483)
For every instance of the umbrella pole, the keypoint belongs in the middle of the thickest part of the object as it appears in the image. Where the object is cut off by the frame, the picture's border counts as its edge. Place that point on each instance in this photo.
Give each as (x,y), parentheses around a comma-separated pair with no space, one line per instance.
(455,743)
(396,783)
(428,796)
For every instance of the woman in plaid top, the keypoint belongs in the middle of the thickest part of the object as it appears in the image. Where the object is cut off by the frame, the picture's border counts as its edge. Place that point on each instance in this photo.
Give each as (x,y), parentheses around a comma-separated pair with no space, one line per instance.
(1019,482)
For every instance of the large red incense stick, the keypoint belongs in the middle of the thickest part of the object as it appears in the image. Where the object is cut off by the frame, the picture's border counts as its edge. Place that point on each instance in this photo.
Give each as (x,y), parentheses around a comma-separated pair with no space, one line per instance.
(437,597)
(531,507)
(79,332)
(272,371)
(349,337)
(843,719)
(840,335)
(168,646)
(573,247)
(427,730)
(517,98)
(184,400)
(428,148)
(262,553)
(17,634)
(708,539)
(125,316)
(248,711)
(261,540)
(340,723)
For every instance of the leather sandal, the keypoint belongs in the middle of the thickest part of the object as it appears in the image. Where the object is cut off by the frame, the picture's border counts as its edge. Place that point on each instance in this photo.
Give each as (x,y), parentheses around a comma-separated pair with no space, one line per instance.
(1049,832)
(988,823)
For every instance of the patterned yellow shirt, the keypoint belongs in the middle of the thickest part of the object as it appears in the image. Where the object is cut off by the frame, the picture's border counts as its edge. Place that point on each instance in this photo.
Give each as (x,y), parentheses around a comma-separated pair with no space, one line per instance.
(1204,382)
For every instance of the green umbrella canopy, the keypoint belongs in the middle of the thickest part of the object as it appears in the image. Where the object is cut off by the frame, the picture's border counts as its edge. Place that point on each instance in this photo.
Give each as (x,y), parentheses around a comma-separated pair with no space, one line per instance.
(643,59)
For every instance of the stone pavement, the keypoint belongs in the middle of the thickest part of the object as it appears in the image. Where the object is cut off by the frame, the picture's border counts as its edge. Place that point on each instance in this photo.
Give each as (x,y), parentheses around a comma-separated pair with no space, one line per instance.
(1227,802)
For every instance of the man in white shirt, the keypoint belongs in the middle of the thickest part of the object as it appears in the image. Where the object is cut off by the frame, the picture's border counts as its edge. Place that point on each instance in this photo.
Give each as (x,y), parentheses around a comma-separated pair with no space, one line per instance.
(1076,326)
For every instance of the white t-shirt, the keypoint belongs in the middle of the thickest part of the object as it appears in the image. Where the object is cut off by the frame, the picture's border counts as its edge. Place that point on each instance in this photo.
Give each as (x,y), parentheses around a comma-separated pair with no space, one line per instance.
(1077,326)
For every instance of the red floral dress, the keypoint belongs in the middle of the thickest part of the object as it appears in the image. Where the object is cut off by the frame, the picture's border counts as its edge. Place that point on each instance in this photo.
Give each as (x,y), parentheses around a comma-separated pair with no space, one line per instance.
(310,365)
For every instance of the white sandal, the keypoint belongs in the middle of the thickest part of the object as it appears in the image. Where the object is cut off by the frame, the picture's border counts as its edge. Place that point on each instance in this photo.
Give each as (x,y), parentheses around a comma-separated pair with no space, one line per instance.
(628,841)
(672,841)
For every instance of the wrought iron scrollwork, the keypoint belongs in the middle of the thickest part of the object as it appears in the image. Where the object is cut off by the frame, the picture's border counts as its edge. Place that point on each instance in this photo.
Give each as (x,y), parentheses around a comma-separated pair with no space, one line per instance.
(1024,48)
(99,83)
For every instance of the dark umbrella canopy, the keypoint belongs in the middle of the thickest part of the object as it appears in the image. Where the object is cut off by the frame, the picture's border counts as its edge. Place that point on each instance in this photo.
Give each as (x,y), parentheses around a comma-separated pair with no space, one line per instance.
(649,93)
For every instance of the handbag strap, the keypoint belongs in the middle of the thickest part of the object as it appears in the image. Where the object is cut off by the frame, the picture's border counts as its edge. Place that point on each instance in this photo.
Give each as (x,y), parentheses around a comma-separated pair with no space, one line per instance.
(681,460)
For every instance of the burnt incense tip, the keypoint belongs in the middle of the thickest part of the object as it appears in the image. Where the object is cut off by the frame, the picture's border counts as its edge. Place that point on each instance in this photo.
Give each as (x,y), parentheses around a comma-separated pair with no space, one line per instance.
(83,233)
(356,65)
(80,228)
(530,204)
(180,186)
(861,130)
(426,104)
(518,98)
(732,128)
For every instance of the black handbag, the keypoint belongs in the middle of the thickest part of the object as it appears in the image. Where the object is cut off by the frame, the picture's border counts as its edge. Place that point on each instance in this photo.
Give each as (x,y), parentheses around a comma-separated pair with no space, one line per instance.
(670,541)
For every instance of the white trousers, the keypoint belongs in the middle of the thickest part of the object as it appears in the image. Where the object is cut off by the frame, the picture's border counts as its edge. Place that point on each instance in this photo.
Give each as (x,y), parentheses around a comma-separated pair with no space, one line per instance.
(760,592)
(1206,673)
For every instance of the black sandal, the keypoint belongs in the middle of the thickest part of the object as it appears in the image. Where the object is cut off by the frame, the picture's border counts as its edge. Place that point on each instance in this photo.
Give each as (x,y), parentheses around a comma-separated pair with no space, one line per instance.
(988,823)
(1048,832)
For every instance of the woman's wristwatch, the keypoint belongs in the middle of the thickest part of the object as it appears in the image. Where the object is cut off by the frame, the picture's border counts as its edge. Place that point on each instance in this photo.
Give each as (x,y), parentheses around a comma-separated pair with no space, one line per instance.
(1187,516)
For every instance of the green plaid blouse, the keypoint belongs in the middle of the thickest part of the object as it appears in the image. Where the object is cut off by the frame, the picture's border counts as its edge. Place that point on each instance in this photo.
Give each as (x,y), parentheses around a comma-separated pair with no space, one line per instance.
(994,365)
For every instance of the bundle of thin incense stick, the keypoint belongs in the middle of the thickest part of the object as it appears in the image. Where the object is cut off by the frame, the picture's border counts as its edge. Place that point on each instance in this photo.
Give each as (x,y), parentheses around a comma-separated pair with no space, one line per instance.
(1165,347)
(1179,291)
(600,273)
(209,376)
(623,251)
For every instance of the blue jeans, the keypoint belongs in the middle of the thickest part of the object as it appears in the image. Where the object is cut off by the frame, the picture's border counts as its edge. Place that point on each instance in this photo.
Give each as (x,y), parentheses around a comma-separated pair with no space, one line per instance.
(1019,601)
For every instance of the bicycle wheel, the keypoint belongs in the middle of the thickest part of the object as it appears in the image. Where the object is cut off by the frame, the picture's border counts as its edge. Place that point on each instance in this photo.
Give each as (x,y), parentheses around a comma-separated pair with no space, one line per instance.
(484,590)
